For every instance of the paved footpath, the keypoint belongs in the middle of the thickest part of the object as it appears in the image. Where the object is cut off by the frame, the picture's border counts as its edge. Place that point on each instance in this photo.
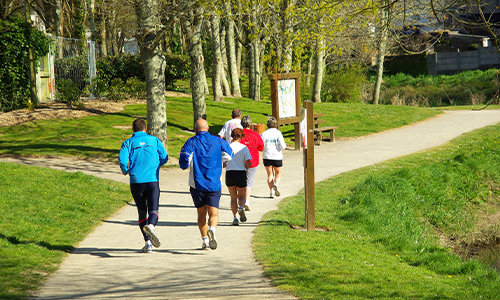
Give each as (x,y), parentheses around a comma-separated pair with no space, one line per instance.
(108,264)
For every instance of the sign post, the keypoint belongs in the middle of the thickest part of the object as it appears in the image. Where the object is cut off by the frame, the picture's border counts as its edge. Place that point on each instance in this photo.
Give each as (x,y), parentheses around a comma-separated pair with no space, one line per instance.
(309,192)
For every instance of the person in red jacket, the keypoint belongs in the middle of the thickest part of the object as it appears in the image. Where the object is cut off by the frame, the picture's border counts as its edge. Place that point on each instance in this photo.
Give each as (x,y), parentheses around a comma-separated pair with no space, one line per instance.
(255,144)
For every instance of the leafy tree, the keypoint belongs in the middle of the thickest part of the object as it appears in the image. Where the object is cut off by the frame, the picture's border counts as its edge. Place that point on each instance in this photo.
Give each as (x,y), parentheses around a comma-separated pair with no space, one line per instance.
(14,76)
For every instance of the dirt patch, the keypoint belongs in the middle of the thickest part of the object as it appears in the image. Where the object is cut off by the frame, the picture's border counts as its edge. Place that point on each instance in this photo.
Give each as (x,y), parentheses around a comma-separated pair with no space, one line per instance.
(54,110)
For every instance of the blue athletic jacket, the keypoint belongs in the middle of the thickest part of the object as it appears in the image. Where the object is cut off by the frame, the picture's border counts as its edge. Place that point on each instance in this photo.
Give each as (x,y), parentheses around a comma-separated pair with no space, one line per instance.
(204,152)
(146,155)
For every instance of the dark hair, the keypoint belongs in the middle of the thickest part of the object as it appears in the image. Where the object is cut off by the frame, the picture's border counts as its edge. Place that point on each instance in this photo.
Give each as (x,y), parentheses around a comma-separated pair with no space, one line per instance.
(138,125)
(246,122)
(272,122)
(236,113)
(237,134)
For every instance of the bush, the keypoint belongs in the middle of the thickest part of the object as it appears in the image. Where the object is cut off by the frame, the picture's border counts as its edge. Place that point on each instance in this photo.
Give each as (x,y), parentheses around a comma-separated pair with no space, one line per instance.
(14,63)
(178,67)
(413,65)
(74,68)
(68,92)
(344,84)
(116,89)
(98,87)
(135,88)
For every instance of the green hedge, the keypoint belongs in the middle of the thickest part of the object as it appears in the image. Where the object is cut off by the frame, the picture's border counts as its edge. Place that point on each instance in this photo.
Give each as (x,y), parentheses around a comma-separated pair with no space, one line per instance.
(414,65)
(14,61)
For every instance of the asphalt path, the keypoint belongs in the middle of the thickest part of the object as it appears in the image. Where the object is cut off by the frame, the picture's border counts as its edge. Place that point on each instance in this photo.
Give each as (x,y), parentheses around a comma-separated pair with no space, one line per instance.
(108,264)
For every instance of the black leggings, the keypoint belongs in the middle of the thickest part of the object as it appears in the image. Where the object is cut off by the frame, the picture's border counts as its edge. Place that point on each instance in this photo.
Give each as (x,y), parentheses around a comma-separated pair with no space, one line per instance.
(146,197)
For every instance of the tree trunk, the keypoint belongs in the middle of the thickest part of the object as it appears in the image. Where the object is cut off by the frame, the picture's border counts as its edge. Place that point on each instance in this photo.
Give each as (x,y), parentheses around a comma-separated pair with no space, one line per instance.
(193,28)
(214,32)
(381,52)
(103,36)
(231,53)
(91,19)
(309,70)
(148,17)
(319,66)
(238,46)
(226,90)
(257,71)
(287,31)
(58,24)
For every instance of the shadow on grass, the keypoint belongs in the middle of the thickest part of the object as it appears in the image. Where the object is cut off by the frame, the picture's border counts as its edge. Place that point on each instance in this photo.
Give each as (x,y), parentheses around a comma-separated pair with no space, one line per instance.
(275,223)
(15,241)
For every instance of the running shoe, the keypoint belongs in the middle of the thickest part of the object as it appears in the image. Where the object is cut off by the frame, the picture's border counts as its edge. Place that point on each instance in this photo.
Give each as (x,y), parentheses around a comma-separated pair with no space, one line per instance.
(212,242)
(148,248)
(205,246)
(246,207)
(276,191)
(150,230)
(236,222)
(241,212)
(271,195)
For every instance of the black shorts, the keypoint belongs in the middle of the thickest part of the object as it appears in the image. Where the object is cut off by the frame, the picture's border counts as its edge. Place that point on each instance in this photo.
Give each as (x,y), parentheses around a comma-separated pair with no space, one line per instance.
(236,178)
(272,162)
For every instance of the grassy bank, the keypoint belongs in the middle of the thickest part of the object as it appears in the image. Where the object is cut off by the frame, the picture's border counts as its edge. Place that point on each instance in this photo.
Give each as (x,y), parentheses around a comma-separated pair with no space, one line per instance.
(45,213)
(393,230)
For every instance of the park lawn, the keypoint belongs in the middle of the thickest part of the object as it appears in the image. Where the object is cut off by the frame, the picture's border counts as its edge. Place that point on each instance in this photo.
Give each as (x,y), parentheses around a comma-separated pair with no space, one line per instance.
(100,137)
(382,226)
(45,213)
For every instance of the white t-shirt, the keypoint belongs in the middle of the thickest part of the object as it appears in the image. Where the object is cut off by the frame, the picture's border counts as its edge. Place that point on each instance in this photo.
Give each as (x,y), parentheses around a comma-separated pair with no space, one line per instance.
(273,144)
(228,127)
(241,154)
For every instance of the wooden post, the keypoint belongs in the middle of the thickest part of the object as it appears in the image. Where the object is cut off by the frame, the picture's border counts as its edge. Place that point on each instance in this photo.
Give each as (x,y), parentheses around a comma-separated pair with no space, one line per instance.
(310,209)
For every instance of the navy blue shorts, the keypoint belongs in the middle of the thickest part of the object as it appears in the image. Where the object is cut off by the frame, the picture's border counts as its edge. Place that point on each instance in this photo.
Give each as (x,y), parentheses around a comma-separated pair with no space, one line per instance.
(202,198)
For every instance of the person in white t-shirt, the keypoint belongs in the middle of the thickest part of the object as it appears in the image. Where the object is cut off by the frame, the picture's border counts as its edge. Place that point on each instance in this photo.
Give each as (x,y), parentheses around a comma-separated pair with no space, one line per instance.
(230,125)
(236,175)
(272,155)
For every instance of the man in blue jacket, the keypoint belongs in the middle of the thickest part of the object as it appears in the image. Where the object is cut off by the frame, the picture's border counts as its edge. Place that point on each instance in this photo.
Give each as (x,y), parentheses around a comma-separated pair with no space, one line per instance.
(204,153)
(141,157)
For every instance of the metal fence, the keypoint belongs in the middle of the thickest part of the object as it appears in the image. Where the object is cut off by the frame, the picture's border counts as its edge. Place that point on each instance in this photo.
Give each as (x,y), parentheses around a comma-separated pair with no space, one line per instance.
(72,59)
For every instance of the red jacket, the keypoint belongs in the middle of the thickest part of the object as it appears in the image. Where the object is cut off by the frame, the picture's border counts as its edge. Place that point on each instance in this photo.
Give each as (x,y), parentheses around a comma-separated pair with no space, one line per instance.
(254,143)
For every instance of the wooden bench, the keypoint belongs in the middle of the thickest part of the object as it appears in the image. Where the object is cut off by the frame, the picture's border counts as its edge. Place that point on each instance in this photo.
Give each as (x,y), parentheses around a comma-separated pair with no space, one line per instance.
(318,136)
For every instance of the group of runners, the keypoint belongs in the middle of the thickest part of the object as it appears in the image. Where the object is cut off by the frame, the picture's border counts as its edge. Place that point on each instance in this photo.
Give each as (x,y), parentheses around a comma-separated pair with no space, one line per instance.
(236,149)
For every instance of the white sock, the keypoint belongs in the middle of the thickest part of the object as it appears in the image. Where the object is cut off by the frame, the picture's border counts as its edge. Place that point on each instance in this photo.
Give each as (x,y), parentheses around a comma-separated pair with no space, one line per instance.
(148,243)
(205,240)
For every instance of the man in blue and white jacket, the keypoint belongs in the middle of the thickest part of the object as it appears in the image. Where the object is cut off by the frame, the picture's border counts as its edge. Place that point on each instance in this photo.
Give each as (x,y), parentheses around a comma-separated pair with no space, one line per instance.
(204,154)
(141,157)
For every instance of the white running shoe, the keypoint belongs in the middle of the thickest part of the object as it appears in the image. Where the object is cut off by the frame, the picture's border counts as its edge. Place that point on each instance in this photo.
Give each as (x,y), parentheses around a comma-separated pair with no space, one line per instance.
(276,191)
(212,242)
(271,194)
(205,246)
(150,230)
(148,248)
(241,212)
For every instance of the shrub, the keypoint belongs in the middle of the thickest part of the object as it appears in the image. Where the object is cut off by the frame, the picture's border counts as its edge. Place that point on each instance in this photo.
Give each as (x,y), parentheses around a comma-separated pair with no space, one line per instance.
(14,63)
(414,65)
(178,67)
(344,84)
(98,87)
(68,92)
(116,89)
(135,88)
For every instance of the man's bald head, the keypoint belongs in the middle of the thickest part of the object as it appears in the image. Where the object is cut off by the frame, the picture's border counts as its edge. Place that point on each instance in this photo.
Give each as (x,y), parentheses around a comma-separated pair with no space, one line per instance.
(200,125)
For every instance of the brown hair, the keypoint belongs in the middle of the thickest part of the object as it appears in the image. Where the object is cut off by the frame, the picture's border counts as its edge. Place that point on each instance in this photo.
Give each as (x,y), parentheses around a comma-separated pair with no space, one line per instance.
(237,134)
(138,125)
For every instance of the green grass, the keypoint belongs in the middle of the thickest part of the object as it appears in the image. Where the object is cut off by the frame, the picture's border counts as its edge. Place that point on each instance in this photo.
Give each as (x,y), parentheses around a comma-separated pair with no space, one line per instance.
(44,214)
(383,223)
(100,137)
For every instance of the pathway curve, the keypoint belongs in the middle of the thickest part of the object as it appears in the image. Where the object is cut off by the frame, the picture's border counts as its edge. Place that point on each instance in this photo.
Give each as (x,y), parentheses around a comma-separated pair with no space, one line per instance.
(108,264)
